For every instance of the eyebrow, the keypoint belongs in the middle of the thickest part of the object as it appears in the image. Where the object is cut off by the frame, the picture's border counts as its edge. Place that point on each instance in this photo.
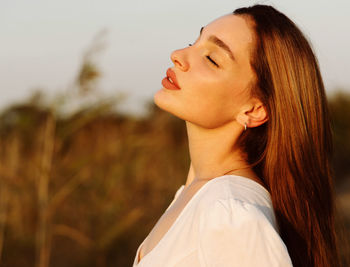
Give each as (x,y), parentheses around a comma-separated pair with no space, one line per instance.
(220,43)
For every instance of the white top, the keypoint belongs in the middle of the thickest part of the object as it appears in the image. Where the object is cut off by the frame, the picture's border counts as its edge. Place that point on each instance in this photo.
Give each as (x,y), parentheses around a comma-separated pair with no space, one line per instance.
(229,221)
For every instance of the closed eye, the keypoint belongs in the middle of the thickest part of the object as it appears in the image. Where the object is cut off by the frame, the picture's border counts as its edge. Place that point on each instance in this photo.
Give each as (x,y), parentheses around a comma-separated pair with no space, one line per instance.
(212,61)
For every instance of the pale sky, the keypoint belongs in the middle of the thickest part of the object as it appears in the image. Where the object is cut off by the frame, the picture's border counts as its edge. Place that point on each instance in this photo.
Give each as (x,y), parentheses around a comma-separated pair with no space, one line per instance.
(42,41)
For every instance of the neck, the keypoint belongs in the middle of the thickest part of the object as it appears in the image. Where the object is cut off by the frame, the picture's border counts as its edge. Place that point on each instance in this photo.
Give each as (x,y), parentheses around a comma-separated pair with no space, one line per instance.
(214,152)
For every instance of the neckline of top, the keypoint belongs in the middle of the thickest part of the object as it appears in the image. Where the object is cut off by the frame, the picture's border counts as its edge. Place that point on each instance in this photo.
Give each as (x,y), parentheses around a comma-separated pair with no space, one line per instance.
(243,179)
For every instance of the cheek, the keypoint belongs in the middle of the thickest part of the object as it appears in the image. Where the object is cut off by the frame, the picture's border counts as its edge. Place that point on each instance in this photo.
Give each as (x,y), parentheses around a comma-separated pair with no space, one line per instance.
(205,90)
(237,87)
(210,102)
(219,93)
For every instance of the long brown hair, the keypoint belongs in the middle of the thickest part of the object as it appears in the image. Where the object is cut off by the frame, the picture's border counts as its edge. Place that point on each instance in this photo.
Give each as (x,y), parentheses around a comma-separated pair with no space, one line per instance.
(292,151)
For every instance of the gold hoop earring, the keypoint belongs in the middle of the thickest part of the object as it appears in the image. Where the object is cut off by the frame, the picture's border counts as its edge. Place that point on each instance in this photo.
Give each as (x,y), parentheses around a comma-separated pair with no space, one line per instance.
(245,126)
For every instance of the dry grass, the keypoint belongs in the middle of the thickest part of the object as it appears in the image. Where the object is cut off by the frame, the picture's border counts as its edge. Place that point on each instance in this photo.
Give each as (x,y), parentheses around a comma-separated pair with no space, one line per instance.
(75,196)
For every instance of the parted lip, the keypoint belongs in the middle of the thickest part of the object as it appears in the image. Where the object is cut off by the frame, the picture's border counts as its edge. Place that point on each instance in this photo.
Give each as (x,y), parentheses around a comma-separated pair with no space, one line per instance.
(171,74)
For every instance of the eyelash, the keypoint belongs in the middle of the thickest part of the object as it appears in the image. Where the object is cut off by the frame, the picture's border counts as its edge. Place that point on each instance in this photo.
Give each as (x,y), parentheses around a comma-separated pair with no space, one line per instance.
(212,61)
(209,58)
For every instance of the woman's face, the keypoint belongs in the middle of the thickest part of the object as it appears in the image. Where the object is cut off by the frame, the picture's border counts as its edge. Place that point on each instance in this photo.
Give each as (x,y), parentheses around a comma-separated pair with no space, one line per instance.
(213,74)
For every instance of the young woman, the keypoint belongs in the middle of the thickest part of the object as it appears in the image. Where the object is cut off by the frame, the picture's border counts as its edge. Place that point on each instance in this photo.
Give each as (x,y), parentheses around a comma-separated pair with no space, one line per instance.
(259,190)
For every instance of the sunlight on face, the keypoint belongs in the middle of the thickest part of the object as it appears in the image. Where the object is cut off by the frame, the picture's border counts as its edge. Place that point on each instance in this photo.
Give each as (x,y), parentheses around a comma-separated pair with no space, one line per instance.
(213,74)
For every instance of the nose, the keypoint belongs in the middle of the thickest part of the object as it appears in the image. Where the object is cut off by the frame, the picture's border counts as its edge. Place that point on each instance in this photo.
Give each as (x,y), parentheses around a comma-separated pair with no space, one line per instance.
(179,58)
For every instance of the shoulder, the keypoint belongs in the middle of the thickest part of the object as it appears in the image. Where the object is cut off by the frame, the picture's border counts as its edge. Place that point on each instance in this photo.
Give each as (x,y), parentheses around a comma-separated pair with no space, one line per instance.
(244,189)
(235,213)
(238,225)
(235,196)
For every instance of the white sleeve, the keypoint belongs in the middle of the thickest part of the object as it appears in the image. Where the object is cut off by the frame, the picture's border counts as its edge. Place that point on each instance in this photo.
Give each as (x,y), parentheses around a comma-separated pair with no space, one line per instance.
(236,233)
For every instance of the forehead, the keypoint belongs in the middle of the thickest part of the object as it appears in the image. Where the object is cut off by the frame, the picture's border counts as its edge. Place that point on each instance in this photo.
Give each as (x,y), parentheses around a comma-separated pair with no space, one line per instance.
(234,30)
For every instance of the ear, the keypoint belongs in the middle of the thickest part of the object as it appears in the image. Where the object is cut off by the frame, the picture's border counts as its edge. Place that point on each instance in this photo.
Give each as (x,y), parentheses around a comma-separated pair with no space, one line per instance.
(253,114)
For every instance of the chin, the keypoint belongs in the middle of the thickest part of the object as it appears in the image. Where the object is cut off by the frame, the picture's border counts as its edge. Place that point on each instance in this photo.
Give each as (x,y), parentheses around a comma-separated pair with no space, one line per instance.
(158,99)
(164,103)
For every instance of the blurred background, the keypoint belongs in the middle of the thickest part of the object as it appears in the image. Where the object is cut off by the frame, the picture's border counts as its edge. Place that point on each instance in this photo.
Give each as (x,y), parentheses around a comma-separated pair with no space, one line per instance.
(88,163)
